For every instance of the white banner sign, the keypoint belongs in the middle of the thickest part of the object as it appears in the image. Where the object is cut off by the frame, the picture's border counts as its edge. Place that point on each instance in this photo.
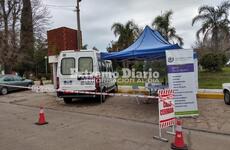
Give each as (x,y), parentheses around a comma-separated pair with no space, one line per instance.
(166,108)
(181,79)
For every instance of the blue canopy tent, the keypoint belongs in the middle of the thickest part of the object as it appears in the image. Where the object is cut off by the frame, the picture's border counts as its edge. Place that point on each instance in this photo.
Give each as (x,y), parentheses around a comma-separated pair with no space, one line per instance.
(150,44)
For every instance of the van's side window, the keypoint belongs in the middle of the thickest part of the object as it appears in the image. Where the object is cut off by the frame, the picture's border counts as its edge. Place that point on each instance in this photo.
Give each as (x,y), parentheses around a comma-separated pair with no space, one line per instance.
(110,68)
(66,65)
(100,66)
(107,67)
(103,66)
(85,64)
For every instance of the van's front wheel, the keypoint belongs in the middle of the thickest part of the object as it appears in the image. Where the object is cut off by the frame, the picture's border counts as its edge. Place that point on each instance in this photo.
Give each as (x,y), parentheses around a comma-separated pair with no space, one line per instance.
(67,100)
(115,90)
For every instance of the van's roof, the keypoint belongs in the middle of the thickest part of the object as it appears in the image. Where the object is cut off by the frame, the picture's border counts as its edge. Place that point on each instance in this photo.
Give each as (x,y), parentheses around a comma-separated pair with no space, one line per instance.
(89,51)
(73,51)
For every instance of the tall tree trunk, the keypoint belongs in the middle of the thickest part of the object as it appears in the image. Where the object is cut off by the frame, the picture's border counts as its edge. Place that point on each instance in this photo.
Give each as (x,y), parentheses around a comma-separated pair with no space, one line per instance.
(5,14)
(27,36)
(215,40)
(15,18)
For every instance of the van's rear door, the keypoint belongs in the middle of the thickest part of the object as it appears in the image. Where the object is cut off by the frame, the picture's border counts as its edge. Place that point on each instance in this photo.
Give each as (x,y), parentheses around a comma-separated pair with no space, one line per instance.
(87,66)
(66,68)
(76,71)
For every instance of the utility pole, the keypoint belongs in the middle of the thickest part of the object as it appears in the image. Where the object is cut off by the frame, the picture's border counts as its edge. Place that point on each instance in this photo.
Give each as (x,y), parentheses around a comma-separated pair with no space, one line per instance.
(46,66)
(78,25)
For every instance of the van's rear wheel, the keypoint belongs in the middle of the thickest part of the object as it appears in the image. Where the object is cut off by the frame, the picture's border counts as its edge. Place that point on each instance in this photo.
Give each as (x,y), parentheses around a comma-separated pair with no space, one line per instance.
(67,100)
(101,98)
(227,97)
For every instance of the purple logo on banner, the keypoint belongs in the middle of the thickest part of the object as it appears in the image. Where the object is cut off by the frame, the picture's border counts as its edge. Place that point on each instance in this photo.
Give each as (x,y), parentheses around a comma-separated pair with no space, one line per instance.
(180,68)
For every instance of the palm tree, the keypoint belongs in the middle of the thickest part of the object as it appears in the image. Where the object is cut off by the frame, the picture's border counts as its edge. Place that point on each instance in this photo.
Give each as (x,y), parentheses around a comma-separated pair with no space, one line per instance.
(162,24)
(84,47)
(215,23)
(127,33)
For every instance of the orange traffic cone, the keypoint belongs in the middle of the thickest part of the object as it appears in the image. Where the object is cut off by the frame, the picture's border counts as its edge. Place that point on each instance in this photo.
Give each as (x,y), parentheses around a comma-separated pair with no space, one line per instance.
(179,141)
(41,120)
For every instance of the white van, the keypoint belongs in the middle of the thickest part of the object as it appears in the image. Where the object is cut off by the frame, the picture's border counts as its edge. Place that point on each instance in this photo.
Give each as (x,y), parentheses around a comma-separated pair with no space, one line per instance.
(84,71)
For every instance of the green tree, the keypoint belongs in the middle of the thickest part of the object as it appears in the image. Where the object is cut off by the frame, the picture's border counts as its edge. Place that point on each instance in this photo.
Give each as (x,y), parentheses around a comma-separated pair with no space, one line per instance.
(95,48)
(213,62)
(126,33)
(39,60)
(162,24)
(215,23)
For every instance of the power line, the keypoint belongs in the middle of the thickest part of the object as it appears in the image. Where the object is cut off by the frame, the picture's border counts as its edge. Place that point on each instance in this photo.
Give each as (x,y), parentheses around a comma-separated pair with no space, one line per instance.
(60,6)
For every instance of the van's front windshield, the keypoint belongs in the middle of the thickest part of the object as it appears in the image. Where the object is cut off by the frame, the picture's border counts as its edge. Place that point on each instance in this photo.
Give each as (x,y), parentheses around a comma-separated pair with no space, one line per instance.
(85,65)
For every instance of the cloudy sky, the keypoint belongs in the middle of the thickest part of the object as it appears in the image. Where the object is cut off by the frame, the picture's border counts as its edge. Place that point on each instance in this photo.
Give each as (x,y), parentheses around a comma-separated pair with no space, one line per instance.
(97,16)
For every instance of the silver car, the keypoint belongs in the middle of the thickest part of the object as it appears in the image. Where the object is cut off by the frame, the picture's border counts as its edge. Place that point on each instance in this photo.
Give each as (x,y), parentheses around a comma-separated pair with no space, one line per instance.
(226,90)
(12,80)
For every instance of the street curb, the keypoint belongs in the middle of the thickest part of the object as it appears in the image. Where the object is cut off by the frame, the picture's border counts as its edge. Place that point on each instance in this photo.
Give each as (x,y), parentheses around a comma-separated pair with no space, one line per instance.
(199,95)
(210,95)
(140,91)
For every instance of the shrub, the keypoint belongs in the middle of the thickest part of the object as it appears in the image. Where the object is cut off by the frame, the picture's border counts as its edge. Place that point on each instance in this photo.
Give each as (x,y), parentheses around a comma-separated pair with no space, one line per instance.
(213,62)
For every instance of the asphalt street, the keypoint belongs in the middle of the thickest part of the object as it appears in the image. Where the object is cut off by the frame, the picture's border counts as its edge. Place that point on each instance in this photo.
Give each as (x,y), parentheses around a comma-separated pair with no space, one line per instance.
(84,131)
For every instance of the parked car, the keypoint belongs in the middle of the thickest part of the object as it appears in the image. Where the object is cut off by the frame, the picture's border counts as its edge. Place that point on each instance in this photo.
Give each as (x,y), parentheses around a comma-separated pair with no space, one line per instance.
(84,71)
(226,90)
(13,80)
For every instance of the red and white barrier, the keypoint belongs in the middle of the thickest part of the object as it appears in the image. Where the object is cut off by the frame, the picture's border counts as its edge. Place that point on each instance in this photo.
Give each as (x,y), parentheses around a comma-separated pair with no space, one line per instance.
(43,89)
(166,111)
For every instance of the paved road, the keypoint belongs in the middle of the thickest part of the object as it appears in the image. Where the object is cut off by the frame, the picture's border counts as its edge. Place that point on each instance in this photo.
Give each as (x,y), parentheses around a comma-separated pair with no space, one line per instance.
(80,131)
(214,114)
